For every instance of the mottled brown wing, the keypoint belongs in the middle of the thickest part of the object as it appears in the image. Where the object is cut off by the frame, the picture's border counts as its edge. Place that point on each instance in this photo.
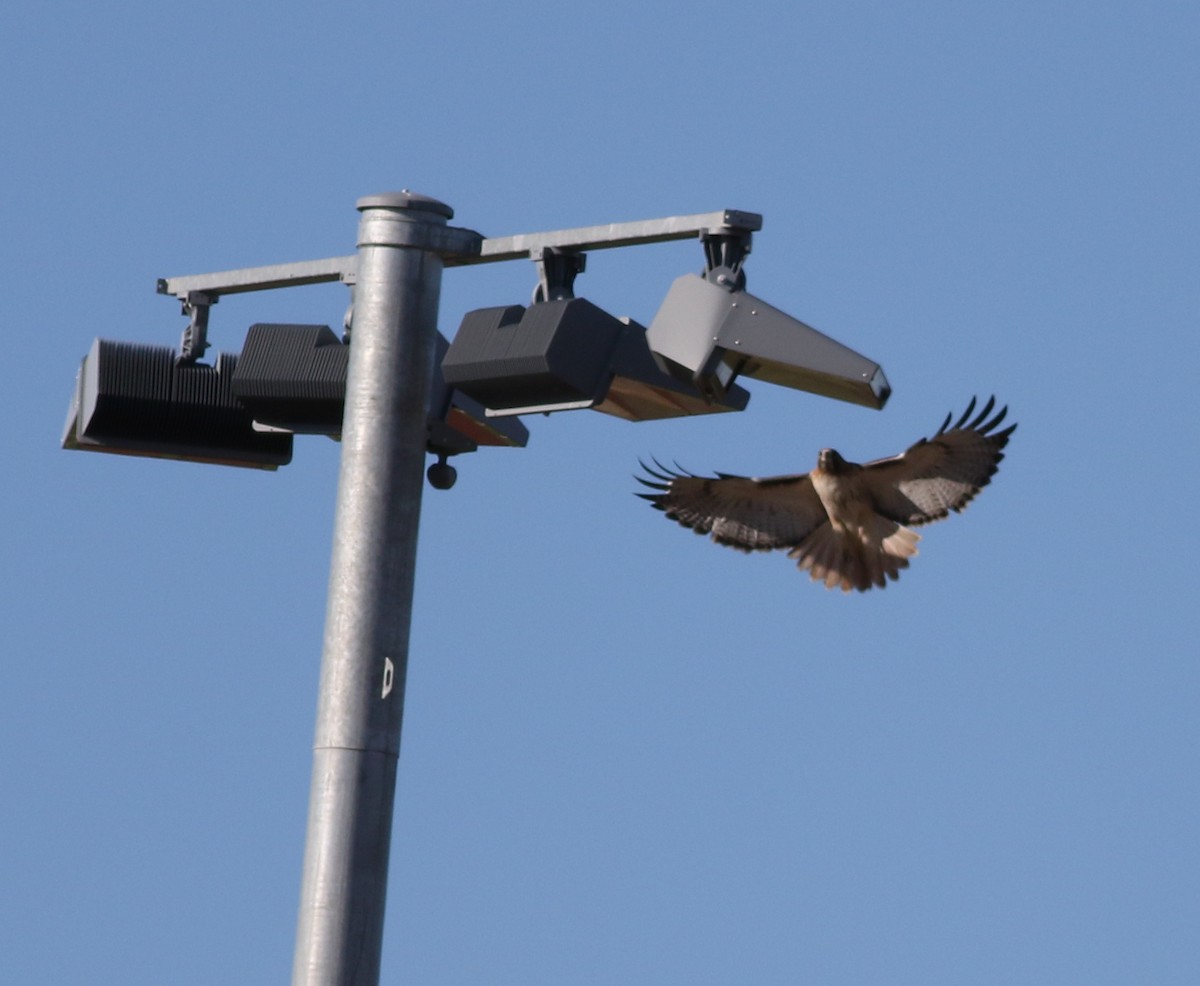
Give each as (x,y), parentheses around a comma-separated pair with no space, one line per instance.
(942,473)
(748,514)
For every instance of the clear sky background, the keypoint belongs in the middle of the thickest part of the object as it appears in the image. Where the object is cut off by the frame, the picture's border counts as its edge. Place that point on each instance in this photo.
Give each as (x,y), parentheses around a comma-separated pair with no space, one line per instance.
(629,755)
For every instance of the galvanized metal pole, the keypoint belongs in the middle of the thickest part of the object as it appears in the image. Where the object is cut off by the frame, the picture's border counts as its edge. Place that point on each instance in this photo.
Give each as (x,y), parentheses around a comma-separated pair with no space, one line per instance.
(360,708)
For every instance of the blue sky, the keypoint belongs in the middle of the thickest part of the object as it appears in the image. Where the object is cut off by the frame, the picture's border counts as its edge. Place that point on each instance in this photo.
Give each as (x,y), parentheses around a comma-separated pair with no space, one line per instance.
(629,756)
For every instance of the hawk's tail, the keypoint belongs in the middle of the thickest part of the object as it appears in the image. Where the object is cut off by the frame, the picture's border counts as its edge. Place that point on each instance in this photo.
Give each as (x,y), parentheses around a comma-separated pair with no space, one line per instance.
(856,559)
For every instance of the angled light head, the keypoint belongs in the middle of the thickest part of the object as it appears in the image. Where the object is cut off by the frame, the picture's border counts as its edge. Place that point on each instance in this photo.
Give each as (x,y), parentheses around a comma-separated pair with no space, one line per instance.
(709,336)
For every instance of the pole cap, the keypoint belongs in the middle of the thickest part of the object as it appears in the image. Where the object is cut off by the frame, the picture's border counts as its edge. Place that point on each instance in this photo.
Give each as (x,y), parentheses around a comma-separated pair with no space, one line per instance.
(404,199)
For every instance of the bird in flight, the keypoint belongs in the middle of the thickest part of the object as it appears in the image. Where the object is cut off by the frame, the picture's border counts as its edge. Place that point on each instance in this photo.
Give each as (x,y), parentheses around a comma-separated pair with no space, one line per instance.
(848,525)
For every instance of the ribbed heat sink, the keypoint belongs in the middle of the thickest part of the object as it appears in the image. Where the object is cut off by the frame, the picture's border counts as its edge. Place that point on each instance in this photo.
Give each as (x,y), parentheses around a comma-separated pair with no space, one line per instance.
(136,399)
(127,388)
(293,376)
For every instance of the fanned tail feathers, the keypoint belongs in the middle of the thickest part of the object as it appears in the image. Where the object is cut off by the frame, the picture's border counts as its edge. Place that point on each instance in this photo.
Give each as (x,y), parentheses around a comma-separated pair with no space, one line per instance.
(856,559)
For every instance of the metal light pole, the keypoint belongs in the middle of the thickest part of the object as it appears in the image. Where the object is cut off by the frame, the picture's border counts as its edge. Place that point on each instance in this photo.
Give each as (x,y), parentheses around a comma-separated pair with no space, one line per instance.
(707,332)
(361,704)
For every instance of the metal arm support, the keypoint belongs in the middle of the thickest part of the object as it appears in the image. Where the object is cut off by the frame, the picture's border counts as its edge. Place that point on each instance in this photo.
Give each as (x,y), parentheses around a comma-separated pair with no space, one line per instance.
(614,235)
(462,247)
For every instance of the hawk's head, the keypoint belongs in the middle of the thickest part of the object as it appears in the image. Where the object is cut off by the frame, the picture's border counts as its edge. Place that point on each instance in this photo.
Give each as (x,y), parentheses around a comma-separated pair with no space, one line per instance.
(829,461)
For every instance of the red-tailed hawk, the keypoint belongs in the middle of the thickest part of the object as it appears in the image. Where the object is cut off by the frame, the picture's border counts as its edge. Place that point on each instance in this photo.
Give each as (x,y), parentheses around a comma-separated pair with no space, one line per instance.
(843,522)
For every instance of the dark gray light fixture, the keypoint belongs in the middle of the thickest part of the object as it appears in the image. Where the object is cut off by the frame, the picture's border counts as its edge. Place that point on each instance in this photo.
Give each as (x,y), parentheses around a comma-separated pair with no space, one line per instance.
(568,354)
(137,399)
(293,378)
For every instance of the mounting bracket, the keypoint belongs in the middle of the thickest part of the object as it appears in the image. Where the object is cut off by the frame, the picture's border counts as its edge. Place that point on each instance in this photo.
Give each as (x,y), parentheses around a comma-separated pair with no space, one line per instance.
(725,250)
(195,337)
(557,267)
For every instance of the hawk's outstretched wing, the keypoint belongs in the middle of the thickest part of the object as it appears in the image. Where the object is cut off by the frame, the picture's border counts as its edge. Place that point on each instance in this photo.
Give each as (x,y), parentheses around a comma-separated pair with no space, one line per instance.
(748,514)
(942,473)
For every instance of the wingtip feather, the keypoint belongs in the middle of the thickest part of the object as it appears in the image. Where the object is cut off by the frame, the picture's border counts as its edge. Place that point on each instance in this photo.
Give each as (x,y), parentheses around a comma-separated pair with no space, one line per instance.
(965,415)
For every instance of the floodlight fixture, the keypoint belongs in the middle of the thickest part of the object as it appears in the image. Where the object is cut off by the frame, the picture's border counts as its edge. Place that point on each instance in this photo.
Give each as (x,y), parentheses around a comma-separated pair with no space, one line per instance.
(551,356)
(709,335)
(138,399)
(710,330)
(293,378)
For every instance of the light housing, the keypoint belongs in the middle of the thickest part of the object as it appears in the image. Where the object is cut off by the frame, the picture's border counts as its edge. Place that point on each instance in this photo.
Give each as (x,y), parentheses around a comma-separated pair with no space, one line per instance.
(567,354)
(551,356)
(136,399)
(293,378)
(708,335)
